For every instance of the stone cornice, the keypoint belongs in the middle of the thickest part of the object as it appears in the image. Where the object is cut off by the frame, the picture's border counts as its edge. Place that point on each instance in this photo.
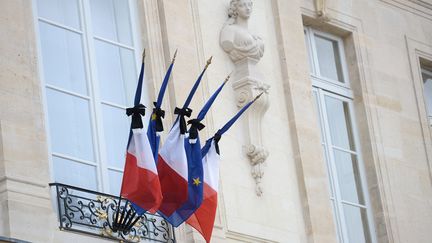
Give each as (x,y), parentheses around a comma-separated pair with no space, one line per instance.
(417,7)
(423,3)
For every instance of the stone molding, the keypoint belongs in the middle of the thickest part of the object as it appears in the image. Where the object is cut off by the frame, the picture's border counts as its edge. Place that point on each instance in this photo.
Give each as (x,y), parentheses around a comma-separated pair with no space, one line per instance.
(417,7)
(426,4)
(236,236)
(417,50)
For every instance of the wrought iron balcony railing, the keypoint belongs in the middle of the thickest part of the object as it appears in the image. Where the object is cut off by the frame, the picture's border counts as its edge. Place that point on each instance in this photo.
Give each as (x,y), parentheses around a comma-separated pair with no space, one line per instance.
(90,212)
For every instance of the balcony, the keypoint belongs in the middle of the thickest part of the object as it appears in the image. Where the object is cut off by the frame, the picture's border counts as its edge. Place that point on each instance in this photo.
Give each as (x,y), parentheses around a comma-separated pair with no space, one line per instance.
(93,213)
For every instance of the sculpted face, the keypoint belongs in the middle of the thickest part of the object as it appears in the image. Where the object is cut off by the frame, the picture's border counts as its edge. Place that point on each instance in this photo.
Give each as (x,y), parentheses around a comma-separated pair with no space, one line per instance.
(244,8)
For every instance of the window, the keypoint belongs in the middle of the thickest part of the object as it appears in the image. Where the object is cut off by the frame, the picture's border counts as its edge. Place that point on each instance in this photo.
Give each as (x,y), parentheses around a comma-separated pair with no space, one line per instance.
(90,61)
(427,81)
(339,139)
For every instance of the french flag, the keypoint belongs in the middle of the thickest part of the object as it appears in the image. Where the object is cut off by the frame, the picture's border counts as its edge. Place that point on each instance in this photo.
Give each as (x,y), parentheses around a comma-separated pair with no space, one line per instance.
(172,162)
(203,218)
(195,165)
(140,183)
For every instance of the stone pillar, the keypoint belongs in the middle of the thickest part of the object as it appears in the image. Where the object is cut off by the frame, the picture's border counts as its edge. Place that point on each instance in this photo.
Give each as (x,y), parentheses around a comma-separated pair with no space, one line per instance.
(303,122)
(25,208)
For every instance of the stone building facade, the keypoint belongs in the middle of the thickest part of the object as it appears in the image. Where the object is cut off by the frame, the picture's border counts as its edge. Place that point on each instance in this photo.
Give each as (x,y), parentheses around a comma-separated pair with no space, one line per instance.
(383,47)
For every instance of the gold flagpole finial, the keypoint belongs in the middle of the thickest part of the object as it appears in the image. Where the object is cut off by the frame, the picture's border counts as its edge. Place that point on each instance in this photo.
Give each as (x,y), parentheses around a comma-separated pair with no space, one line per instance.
(258,96)
(209,61)
(228,77)
(175,55)
(143,55)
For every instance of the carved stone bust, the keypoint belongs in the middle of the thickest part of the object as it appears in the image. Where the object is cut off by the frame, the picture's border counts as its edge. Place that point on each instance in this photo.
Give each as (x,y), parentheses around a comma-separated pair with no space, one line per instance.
(235,38)
(245,50)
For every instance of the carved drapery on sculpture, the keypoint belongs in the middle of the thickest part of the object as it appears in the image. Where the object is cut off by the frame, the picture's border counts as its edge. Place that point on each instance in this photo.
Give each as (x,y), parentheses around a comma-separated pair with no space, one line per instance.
(245,50)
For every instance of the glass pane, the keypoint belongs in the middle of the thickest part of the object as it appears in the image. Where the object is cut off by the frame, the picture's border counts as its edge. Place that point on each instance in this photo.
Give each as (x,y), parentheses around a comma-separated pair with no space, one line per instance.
(75,173)
(348,176)
(115,180)
(339,122)
(116,73)
(116,130)
(357,225)
(111,20)
(70,126)
(63,61)
(65,12)
(427,79)
(329,58)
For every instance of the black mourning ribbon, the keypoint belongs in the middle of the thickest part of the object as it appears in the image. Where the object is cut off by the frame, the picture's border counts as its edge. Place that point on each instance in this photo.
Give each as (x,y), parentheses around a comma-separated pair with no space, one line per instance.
(216,139)
(182,113)
(136,112)
(196,126)
(159,114)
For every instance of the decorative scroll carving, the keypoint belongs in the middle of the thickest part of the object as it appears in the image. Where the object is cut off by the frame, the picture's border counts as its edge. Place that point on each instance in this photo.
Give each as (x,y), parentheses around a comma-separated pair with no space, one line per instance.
(257,156)
(245,50)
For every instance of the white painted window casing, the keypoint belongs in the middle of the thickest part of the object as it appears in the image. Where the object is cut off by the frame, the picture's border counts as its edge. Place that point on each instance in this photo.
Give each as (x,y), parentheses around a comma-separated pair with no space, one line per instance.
(339,139)
(90,60)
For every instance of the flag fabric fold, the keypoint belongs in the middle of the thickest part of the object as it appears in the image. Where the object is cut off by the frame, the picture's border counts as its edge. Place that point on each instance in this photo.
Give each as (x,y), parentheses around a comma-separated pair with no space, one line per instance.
(195,166)
(140,184)
(203,218)
(173,158)
(172,170)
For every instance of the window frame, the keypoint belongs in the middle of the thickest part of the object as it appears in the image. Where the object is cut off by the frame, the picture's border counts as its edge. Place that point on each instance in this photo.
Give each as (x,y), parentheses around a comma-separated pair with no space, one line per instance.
(425,70)
(322,87)
(93,96)
(335,86)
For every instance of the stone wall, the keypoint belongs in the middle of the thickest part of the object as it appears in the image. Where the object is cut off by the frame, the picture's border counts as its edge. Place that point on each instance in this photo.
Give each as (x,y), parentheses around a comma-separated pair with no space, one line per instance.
(383,42)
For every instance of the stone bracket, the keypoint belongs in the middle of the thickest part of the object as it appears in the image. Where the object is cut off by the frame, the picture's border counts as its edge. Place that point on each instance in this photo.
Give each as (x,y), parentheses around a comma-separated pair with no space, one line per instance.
(247,85)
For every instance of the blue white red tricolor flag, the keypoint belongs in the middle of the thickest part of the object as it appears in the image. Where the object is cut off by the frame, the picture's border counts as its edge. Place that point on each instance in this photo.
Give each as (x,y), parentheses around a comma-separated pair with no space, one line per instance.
(172,162)
(195,166)
(203,218)
(140,183)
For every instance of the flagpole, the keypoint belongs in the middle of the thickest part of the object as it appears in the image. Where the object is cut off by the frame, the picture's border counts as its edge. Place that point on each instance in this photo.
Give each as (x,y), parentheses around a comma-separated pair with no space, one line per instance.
(136,92)
(165,82)
(185,110)
(117,226)
(155,126)
(227,126)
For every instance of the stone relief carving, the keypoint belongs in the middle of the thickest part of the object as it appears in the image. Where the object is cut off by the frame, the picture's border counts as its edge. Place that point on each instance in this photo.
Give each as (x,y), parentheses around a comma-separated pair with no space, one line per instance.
(246,49)
(235,38)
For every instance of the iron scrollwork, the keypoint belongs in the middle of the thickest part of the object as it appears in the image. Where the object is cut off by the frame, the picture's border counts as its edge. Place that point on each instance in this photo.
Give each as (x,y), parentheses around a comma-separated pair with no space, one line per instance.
(90,212)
